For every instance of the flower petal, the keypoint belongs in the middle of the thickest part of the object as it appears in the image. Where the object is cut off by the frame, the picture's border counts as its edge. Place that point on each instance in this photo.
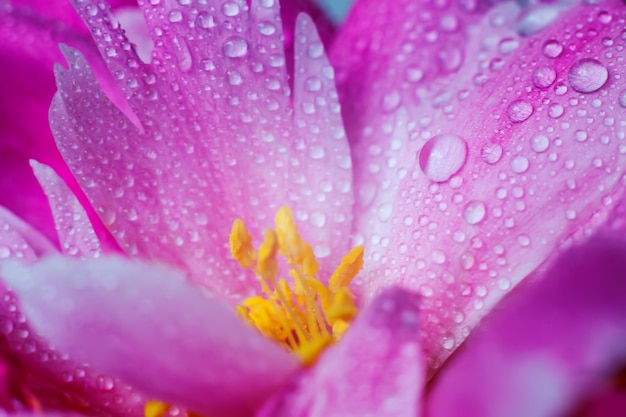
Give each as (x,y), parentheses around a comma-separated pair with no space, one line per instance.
(76,234)
(549,346)
(221,84)
(28,50)
(148,326)
(54,380)
(375,370)
(498,164)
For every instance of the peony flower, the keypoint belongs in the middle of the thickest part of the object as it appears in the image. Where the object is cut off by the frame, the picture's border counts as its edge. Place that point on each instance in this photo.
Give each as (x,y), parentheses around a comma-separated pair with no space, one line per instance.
(453,206)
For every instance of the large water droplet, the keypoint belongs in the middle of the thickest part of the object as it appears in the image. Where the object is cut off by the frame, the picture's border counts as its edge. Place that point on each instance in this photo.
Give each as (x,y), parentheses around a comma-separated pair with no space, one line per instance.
(519,110)
(442,157)
(235,47)
(587,75)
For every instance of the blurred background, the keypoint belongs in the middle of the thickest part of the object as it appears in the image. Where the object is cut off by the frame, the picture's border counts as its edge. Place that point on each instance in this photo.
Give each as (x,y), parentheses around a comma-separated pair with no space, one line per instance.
(336,9)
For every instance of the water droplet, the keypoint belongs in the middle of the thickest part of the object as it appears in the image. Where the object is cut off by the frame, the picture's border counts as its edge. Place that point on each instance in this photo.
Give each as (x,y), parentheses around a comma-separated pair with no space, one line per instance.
(234,78)
(540,143)
(315,50)
(230,9)
(105,383)
(205,20)
(235,47)
(523,240)
(391,101)
(587,75)
(313,84)
(318,219)
(5,252)
(384,212)
(520,164)
(175,16)
(581,136)
(474,212)
(552,49)
(491,153)
(544,77)
(438,257)
(508,45)
(519,111)
(414,74)
(605,17)
(266,28)
(442,157)
(555,110)
(622,99)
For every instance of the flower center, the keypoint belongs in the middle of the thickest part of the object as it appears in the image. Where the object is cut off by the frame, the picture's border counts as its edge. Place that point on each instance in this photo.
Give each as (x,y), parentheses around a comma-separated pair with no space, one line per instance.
(307,316)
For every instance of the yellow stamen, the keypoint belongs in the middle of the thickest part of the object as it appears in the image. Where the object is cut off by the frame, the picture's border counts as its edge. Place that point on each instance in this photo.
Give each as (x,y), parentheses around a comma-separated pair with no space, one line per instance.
(309,316)
(241,245)
(156,409)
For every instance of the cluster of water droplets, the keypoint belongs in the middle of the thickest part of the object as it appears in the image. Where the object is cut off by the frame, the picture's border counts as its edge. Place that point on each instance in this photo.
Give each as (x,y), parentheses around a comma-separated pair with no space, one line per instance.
(497,163)
(220,135)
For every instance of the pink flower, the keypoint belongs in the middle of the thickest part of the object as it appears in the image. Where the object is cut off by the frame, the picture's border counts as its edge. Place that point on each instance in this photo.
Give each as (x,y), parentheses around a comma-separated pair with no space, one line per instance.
(482,140)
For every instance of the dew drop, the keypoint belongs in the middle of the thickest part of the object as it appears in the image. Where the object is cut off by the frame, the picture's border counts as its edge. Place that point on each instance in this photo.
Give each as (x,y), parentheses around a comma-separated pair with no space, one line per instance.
(587,75)
(391,101)
(442,157)
(318,219)
(5,252)
(555,110)
(230,9)
(205,20)
(519,111)
(384,212)
(315,50)
(266,28)
(235,47)
(581,136)
(474,212)
(175,16)
(491,153)
(540,143)
(104,383)
(544,77)
(552,49)
(520,164)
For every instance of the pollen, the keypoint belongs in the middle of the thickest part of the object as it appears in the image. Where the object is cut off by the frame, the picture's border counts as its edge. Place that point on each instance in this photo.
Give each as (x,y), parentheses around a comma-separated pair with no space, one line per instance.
(301,313)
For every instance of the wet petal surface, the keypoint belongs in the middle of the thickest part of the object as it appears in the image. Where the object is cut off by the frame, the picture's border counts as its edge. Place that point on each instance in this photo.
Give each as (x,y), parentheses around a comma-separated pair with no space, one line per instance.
(481,172)
(552,345)
(377,369)
(132,324)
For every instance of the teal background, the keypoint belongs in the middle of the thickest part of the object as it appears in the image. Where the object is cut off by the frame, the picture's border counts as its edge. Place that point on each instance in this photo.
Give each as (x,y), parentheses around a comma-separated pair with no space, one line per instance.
(336,9)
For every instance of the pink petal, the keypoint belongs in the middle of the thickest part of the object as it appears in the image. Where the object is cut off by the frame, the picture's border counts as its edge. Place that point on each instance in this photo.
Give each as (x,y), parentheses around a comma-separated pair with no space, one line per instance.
(76,234)
(62,11)
(146,325)
(56,381)
(243,154)
(289,11)
(28,49)
(467,197)
(376,369)
(549,347)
